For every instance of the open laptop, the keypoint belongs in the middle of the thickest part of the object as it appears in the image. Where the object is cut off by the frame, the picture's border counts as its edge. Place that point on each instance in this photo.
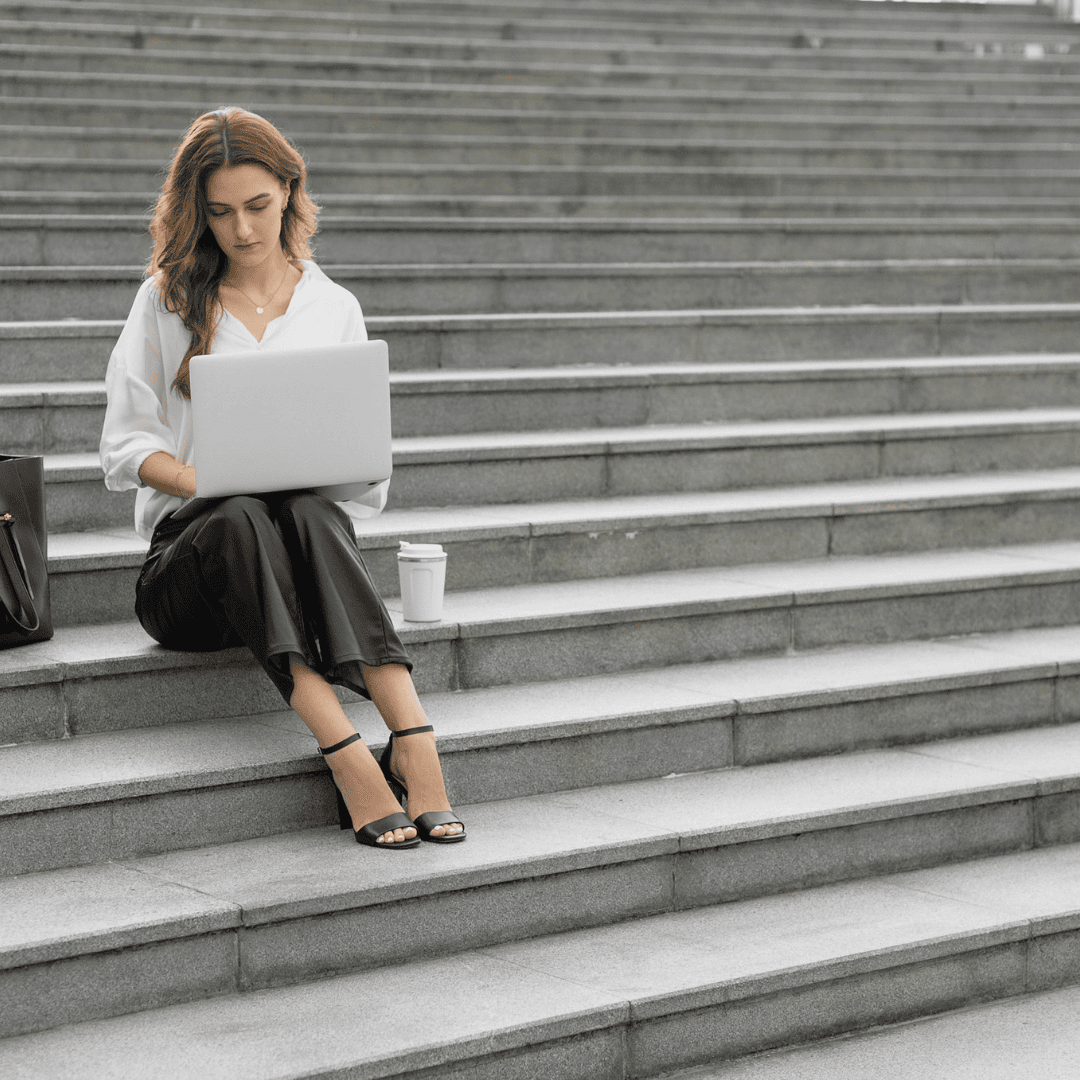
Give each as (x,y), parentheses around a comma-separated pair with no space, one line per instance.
(286,419)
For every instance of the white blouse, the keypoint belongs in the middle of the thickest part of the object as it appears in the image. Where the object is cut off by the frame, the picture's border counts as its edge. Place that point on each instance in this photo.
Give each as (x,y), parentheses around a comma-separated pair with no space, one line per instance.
(144,414)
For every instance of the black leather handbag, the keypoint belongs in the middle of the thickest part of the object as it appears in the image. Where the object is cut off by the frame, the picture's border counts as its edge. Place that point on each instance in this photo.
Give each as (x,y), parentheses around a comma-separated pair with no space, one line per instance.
(24,574)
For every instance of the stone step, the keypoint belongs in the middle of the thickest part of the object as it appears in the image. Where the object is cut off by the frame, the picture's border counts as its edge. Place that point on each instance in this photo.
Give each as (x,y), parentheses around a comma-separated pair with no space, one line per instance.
(100,120)
(750,69)
(693,12)
(1015,54)
(39,293)
(99,797)
(554,181)
(488,468)
(42,126)
(93,573)
(750,710)
(109,676)
(810,28)
(825,207)
(63,71)
(752,334)
(996,14)
(44,249)
(635,998)
(357,96)
(66,417)
(78,349)
(414,80)
(872,813)
(1016,19)
(481,63)
(141,145)
(1029,1034)
(463,402)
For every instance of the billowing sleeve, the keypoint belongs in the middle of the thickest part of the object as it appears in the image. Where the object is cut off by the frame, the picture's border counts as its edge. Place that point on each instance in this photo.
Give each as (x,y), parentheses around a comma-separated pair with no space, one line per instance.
(136,423)
(354,329)
(372,502)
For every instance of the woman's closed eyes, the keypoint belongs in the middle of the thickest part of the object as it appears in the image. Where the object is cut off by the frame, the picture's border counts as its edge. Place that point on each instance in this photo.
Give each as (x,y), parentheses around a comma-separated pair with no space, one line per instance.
(222,211)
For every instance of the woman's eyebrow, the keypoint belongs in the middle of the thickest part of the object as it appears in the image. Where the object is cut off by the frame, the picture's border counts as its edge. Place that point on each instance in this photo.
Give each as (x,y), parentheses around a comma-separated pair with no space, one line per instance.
(254,198)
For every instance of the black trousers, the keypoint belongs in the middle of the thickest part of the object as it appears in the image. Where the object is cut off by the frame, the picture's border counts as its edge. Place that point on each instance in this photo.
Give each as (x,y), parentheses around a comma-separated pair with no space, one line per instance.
(279,573)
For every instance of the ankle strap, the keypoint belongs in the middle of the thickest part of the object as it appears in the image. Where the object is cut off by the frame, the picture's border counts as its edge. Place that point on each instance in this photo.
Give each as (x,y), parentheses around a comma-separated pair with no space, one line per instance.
(411,731)
(339,745)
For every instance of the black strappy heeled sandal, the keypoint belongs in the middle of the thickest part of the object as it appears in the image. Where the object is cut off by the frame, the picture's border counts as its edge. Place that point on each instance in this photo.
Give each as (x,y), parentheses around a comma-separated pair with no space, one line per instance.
(369,834)
(433,818)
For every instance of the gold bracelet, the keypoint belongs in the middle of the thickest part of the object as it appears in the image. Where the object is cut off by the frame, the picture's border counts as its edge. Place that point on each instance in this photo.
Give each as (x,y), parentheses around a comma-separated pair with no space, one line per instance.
(176,482)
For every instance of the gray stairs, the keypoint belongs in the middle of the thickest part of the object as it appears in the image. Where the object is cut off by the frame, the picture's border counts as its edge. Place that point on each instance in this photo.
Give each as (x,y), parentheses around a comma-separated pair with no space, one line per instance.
(735,365)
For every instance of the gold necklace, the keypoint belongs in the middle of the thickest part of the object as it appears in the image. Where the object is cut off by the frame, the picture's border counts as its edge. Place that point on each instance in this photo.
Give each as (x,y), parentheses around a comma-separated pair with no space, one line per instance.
(260,310)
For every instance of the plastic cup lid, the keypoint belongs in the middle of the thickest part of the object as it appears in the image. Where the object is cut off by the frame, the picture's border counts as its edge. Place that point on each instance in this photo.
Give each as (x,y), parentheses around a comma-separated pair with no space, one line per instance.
(420,551)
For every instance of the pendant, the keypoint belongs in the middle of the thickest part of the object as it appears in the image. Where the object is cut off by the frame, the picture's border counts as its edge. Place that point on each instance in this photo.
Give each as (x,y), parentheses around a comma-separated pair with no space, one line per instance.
(259,310)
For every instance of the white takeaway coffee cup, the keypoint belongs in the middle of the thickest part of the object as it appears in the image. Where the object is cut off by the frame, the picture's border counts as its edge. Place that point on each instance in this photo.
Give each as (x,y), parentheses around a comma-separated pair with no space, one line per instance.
(422,572)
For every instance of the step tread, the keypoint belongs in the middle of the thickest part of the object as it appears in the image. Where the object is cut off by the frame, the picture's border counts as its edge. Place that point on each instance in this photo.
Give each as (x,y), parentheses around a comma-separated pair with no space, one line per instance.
(97,650)
(1054,132)
(406,35)
(456,271)
(742,431)
(110,328)
(481,446)
(303,112)
(996,266)
(322,169)
(617,226)
(890,205)
(100,548)
(129,763)
(497,610)
(998,13)
(295,875)
(312,140)
(1029,1037)
(600,319)
(565,984)
(92,392)
(991,70)
(444,91)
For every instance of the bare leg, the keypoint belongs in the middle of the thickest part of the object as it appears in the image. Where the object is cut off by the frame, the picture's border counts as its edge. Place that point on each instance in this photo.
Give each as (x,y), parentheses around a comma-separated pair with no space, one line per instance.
(357,773)
(415,758)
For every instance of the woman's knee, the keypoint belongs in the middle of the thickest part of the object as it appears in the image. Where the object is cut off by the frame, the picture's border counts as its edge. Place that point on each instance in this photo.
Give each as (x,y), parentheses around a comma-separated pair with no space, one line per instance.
(171,608)
(240,509)
(234,525)
(309,509)
(238,514)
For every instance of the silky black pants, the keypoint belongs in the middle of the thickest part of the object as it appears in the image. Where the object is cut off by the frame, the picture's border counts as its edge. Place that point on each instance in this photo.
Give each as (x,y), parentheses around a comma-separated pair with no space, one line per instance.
(279,573)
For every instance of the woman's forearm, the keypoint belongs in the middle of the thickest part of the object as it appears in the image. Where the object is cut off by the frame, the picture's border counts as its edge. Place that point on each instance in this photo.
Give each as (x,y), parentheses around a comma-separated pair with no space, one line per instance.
(162,471)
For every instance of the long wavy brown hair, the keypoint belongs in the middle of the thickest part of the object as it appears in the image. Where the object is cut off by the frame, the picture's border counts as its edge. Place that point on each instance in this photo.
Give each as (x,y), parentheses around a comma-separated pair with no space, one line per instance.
(187,261)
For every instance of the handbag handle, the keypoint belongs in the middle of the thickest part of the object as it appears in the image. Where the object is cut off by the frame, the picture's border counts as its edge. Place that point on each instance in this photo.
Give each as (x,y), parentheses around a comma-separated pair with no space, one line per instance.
(11,557)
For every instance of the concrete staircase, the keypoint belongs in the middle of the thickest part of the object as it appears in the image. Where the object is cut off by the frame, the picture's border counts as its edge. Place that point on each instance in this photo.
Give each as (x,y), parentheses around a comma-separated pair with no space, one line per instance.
(734,364)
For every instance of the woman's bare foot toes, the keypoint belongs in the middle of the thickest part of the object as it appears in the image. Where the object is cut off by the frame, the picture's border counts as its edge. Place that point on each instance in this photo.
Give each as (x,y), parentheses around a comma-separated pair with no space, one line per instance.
(398,836)
(448,830)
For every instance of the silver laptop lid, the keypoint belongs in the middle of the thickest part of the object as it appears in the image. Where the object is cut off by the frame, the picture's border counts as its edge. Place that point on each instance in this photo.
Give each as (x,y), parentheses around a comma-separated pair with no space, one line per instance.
(279,420)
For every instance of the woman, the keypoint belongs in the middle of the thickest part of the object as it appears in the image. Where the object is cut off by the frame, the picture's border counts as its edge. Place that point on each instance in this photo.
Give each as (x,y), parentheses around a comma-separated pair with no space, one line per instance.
(281,573)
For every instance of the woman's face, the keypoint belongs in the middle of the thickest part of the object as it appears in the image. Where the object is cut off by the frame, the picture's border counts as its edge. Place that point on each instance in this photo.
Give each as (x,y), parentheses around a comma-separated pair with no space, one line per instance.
(245,204)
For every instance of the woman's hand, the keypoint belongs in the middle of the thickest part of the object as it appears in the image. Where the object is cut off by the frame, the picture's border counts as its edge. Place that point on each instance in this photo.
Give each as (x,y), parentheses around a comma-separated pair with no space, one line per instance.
(163,472)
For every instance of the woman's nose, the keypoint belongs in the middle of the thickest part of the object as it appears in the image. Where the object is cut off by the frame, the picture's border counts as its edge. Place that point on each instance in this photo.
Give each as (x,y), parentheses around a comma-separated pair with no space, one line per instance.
(243,225)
